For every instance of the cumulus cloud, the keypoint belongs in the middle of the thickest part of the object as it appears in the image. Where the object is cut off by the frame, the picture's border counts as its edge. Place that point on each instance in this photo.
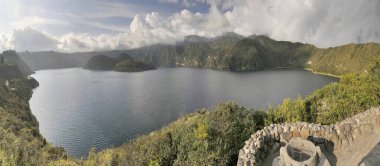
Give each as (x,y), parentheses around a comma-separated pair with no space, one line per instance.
(28,39)
(324,23)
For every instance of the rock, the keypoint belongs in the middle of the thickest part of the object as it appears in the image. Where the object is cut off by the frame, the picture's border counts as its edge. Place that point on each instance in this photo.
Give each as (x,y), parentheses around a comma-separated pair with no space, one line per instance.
(318,140)
(259,144)
(296,133)
(350,139)
(287,135)
(317,133)
(305,133)
(330,137)
(276,147)
(356,133)
(335,140)
(347,127)
(344,142)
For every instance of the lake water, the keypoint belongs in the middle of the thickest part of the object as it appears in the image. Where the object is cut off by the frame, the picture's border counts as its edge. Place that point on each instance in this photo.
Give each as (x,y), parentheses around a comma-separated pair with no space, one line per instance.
(78,109)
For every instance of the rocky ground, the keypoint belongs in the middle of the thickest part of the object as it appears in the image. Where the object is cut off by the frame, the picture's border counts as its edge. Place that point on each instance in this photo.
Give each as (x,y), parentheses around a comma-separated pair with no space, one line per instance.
(366,149)
(352,141)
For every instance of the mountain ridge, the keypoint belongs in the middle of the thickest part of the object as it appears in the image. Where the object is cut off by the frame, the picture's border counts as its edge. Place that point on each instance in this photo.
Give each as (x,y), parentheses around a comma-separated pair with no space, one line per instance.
(228,52)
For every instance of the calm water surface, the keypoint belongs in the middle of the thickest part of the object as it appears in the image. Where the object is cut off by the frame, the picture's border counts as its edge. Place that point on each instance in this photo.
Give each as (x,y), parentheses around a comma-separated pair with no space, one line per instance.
(78,109)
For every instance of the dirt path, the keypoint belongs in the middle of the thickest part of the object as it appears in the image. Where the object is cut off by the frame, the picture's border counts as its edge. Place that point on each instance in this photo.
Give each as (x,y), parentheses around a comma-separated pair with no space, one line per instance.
(364,147)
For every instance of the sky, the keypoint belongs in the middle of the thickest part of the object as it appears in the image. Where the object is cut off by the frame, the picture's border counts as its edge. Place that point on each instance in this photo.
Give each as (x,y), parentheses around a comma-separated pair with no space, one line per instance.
(88,25)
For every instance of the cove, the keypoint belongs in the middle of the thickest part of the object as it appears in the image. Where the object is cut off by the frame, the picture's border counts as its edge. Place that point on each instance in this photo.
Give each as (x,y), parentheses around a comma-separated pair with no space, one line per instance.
(79,109)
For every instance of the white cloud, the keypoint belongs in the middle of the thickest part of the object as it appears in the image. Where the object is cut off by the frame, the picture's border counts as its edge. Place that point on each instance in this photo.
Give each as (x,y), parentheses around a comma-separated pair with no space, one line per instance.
(168,1)
(28,39)
(324,23)
(321,22)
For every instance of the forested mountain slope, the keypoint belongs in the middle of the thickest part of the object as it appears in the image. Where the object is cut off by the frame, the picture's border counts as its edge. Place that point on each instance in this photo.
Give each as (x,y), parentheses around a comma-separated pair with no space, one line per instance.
(228,52)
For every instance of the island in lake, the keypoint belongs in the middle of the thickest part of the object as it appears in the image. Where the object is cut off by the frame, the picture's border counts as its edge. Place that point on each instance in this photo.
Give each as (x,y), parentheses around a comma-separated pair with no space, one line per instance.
(123,63)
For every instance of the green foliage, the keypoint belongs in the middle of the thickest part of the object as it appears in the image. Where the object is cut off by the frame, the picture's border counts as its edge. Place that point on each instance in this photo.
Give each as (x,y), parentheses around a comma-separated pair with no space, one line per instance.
(206,137)
(344,59)
(209,136)
(123,63)
(289,111)
(20,140)
(231,52)
(132,66)
(353,94)
(200,132)
(100,62)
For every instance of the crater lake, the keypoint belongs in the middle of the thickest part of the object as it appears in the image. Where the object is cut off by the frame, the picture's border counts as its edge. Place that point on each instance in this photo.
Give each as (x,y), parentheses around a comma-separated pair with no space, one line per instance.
(79,109)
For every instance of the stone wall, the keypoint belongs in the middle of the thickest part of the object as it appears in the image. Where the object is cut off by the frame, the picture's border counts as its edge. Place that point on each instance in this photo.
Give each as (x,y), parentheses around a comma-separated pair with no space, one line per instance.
(332,137)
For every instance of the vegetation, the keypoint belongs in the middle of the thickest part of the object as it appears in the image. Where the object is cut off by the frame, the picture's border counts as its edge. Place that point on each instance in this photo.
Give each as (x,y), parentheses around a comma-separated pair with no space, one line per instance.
(100,62)
(128,64)
(123,63)
(214,136)
(229,52)
(20,140)
(334,102)
(234,52)
(208,136)
(8,71)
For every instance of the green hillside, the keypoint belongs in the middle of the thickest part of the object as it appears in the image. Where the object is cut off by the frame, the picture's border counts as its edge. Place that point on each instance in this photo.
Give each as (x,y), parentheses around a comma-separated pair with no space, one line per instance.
(132,66)
(20,140)
(344,59)
(100,62)
(12,67)
(208,136)
(232,52)
(229,51)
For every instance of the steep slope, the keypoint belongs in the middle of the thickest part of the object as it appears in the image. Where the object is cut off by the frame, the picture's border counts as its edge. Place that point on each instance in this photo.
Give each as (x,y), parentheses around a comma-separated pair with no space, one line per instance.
(229,51)
(20,140)
(9,72)
(206,137)
(158,55)
(100,62)
(234,52)
(12,58)
(261,52)
(344,59)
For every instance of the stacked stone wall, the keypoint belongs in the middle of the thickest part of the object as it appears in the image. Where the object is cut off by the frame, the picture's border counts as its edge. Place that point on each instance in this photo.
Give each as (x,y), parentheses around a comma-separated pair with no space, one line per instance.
(331,137)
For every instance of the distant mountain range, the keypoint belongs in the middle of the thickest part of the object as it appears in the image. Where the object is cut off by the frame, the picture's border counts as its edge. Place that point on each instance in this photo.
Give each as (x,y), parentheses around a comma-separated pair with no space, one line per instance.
(228,52)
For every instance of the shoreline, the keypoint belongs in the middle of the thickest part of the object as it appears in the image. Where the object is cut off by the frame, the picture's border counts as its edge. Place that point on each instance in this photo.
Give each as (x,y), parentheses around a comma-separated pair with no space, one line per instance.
(274,68)
(322,73)
(304,68)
